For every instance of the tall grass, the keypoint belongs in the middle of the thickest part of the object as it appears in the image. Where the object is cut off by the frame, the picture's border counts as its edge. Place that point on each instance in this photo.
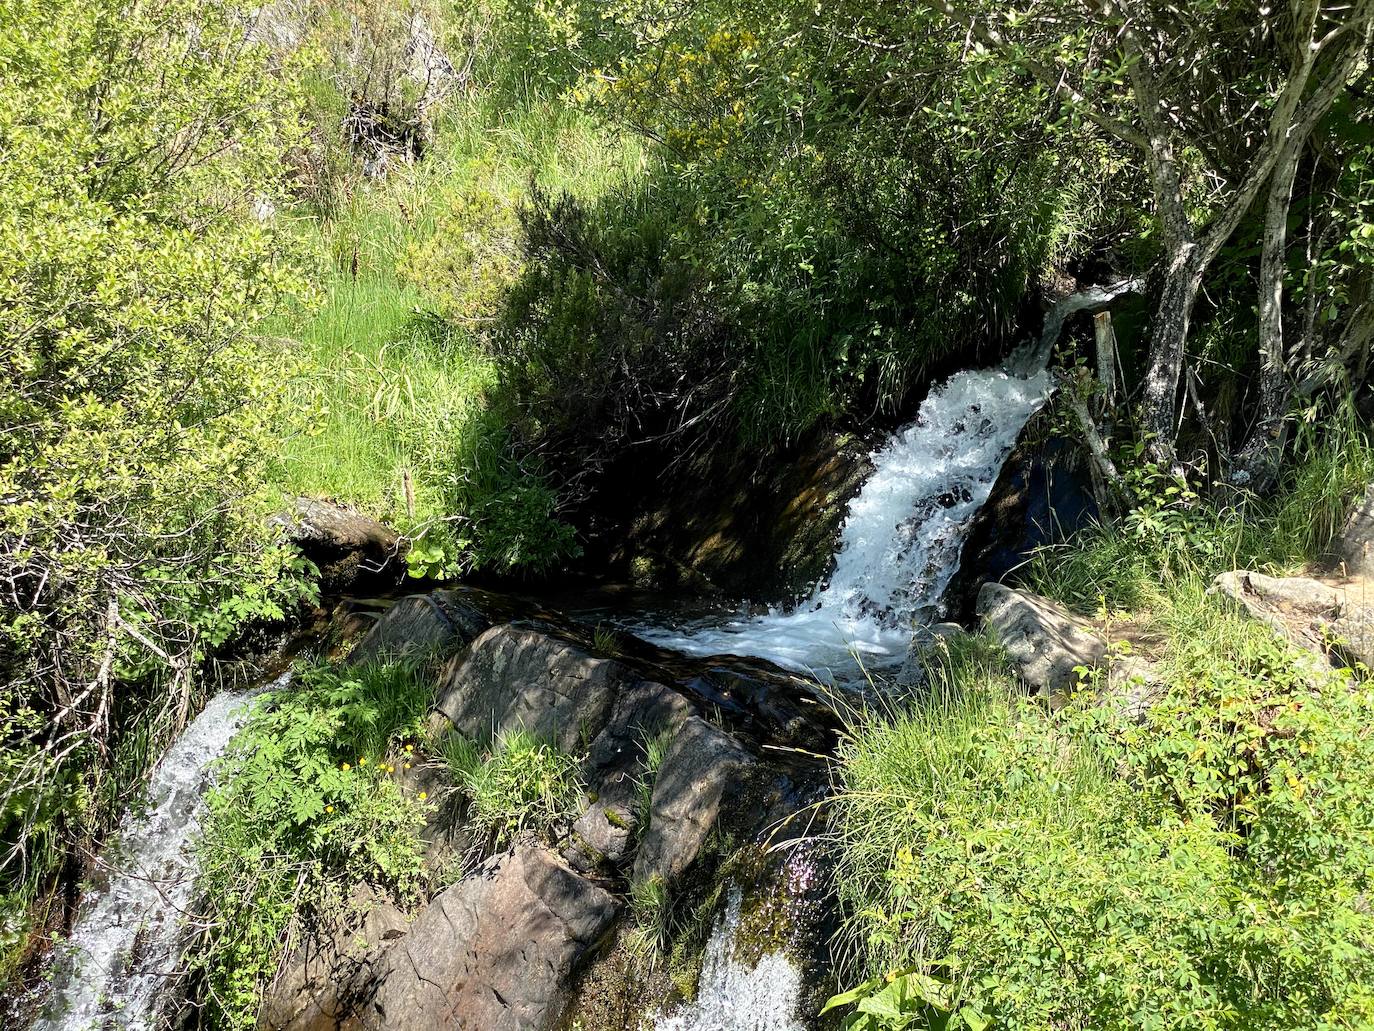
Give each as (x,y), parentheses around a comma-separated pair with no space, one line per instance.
(403,418)
(1173,538)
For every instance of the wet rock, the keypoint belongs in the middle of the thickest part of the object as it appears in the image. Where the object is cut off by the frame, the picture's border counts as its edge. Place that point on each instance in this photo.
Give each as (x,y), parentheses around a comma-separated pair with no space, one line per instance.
(495,952)
(349,548)
(1044,642)
(703,769)
(519,677)
(422,624)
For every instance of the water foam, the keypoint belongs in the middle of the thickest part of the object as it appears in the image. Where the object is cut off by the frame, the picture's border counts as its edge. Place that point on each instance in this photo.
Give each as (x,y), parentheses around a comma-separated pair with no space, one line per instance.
(902,537)
(733,996)
(127,939)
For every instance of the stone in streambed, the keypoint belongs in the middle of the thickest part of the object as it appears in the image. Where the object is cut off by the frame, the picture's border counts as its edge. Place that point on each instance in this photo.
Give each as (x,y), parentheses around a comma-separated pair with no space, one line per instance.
(525,678)
(705,769)
(422,624)
(614,770)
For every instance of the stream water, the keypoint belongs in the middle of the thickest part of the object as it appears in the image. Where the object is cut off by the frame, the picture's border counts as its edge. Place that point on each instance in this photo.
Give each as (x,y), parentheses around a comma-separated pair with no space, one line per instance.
(901,539)
(734,995)
(127,939)
(899,548)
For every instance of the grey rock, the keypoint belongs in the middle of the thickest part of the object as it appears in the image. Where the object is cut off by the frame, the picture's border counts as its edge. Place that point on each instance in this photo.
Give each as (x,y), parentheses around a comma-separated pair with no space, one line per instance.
(346,545)
(1044,642)
(1321,617)
(1355,547)
(495,952)
(704,767)
(615,769)
(517,677)
(325,978)
(422,624)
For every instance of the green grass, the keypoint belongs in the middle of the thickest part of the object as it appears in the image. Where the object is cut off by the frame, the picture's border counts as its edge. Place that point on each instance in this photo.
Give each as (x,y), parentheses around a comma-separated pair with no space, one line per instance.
(518,785)
(397,399)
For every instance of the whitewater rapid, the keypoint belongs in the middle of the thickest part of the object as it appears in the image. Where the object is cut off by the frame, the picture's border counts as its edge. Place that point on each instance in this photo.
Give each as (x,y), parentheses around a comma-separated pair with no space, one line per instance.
(127,939)
(901,539)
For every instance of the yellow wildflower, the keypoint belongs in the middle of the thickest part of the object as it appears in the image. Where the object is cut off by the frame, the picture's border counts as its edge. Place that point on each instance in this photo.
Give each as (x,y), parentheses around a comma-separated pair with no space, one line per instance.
(329,809)
(345,767)
(423,795)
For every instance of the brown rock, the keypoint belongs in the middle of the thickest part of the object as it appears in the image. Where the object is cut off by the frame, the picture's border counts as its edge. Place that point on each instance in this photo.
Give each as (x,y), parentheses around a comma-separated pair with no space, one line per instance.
(496,952)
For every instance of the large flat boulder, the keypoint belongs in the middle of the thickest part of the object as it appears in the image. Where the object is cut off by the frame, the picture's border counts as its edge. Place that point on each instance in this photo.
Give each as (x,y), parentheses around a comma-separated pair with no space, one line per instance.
(705,767)
(1321,617)
(422,624)
(1045,643)
(519,677)
(495,952)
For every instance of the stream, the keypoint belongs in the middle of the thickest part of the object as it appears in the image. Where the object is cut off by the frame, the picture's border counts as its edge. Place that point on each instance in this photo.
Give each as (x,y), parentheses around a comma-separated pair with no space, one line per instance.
(899,547)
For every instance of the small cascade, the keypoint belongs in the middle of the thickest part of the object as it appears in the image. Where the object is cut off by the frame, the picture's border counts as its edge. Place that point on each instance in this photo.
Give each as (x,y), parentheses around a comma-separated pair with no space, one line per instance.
(733,996)
(902,537)
(127,940)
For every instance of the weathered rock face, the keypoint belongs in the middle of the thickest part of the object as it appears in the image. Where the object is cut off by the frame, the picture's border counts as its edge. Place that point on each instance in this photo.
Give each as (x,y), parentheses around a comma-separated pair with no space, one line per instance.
(350,548)
(323,982)
(616,765)
(515,678)
(1355,547)
(496,951)
(422,624)
(704,768)
(1315,615)
(1044,642)
(502,948)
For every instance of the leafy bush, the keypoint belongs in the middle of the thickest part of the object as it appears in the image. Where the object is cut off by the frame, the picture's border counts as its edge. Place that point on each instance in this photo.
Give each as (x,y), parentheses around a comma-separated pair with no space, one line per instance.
(519,784)
(1171,535)
(137,400)
(311,801)
(1204,868)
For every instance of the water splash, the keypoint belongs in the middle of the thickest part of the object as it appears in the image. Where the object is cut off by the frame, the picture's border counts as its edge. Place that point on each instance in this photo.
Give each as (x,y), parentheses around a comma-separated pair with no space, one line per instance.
(902,537)
(127,939)
(736,997)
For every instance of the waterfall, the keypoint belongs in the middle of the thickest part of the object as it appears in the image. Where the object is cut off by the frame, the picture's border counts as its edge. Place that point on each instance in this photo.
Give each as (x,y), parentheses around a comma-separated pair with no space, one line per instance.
(733,996)
(902,536)
(127,940)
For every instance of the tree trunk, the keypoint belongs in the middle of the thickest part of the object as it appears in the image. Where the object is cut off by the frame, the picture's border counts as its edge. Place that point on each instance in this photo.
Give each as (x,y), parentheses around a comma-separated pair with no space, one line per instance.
(1168,334)
(1257,463)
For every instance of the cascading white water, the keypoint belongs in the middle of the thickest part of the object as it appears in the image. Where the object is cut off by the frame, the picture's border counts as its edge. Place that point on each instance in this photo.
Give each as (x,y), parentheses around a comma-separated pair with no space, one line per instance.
(902,537)
(733,996)
(127,936)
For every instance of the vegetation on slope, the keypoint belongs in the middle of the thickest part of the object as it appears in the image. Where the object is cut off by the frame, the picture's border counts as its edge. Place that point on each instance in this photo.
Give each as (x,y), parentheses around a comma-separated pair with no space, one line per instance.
(1204,866)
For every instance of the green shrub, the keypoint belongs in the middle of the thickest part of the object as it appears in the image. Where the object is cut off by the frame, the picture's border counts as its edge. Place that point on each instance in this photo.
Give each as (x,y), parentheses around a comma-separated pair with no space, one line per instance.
(138,401)
(309,804)
(1205,868)
(519,784)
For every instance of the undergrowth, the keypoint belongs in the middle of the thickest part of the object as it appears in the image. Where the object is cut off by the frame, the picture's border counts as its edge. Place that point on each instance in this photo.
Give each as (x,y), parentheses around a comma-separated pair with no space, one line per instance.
(1203,866)
(312,800)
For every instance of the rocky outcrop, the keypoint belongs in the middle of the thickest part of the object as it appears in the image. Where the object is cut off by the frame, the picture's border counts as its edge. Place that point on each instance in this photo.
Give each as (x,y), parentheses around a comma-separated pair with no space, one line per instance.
(439,622)
(1045,643)
(502,948)
(525,678)
(1319,616)
(496,951)
(1354,549)
(350,548)
(702,770)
